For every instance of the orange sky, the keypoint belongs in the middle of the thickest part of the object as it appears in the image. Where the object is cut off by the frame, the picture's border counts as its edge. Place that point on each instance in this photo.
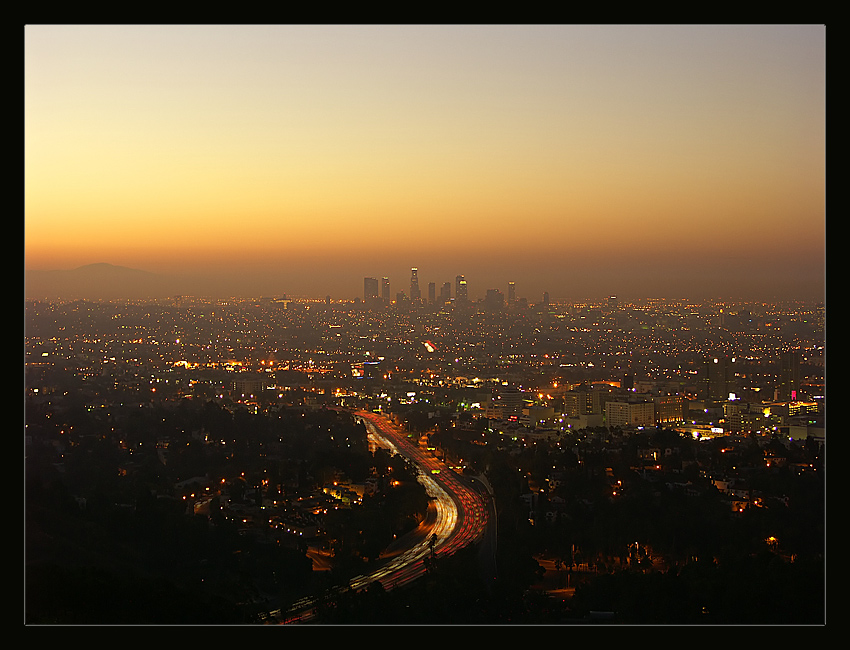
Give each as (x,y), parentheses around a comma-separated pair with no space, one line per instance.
(343,151)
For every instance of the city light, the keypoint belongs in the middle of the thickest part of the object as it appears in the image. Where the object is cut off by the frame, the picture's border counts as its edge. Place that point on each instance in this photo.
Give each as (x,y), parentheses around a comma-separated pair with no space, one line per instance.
(320,319)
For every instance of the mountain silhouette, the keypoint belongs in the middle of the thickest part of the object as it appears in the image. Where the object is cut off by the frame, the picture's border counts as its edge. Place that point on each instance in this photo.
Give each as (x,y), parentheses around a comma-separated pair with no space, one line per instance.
(96,282)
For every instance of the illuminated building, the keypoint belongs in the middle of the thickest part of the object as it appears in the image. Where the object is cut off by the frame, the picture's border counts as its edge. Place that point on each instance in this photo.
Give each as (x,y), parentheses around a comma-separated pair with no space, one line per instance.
(506,403)
(432,292)
(719,377)
(461,295)
(511,293)
(785,410)
(624,414)
(670,409)
(385,289)
(248,387)
(415,293)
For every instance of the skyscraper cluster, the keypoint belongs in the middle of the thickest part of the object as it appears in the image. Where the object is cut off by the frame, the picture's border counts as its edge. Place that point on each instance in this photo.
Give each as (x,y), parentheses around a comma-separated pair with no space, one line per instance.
(377,293)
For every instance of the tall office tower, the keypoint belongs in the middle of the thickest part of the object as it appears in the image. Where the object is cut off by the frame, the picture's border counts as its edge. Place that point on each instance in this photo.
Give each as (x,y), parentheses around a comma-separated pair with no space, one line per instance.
(432,292)
(612,302)
(494,300)
(545,298)
(511,293)
(460,289)
(789,377)
(370,291)
(415,293)
(385,290)
(446,293)
(719,377)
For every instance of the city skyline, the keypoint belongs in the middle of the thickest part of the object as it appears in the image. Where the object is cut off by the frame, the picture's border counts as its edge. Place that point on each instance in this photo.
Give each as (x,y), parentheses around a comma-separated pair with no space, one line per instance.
(669,161)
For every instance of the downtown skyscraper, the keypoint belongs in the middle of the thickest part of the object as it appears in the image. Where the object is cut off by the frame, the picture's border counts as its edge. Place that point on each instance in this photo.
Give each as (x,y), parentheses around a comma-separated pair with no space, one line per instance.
(370,289)
(415,293)
(461,295)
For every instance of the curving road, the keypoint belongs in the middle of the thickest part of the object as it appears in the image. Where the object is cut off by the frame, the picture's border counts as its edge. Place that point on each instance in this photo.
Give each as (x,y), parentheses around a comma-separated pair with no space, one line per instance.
(461,514)
(462,509)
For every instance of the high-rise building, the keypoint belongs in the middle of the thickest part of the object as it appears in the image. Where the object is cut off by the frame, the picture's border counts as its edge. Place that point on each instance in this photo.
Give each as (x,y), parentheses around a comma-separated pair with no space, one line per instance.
(789,376)
(577,402)
(446,293)
(494,300)
(461,295)
(511,293)
(415,293)
(719,377)
(385,290)
(370,290)
(432,292)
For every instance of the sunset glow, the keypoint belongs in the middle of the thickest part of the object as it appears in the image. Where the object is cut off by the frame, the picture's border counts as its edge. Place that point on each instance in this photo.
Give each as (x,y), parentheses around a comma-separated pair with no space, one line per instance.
(568,158)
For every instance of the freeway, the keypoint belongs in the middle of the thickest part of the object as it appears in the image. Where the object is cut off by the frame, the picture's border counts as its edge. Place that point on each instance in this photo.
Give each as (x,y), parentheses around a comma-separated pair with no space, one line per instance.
(463,509)
(461,517)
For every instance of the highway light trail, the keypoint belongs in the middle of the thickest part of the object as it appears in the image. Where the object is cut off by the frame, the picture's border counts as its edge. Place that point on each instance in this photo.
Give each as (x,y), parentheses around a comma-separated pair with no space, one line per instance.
(408,565)
(447,512)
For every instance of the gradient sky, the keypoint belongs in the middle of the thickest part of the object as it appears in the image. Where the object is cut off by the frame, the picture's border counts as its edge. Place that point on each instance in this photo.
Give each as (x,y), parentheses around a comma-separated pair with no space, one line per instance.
(580,160)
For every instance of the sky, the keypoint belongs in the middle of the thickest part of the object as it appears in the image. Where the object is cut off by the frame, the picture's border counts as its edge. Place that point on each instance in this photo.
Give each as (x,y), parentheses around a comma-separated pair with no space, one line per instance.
(584,161)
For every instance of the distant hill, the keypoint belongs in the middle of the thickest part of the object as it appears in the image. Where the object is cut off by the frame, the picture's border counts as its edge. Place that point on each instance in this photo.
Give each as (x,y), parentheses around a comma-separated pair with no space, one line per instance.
(96,282)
